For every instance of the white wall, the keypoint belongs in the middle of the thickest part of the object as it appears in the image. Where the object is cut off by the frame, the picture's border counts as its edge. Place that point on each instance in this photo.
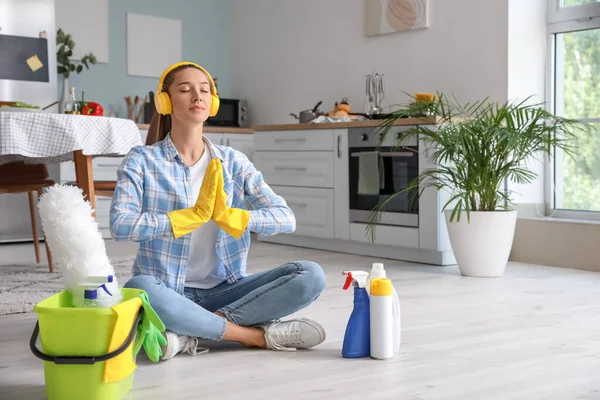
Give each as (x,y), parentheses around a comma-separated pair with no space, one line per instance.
(527,77)
(565,244)
(287,55)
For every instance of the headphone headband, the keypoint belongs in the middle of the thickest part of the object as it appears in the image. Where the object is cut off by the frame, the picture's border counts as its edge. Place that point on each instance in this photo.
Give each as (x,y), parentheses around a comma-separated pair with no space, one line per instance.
(162,101)
(176,65)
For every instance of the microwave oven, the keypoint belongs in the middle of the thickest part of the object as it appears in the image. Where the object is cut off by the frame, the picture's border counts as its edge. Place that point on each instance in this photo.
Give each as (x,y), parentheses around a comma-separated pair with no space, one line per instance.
(232,113)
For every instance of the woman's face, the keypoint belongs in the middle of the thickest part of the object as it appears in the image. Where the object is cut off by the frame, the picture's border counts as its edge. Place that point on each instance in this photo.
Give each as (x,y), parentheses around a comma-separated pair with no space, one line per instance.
(190,95)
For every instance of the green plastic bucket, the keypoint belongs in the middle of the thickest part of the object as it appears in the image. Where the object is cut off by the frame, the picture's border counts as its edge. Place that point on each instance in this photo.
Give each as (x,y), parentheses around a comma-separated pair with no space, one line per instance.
(74,347)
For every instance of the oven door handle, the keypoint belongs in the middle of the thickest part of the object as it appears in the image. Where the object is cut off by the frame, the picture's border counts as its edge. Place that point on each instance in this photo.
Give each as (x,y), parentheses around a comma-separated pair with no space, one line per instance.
(391,154)
(397,154)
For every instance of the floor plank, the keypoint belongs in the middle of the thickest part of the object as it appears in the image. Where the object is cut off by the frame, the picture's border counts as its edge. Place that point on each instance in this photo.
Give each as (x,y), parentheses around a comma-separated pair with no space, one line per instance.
(531,335)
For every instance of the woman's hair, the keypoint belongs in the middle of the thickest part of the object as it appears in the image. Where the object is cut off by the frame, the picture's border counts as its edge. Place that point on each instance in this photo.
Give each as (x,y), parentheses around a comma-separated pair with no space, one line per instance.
(162,123)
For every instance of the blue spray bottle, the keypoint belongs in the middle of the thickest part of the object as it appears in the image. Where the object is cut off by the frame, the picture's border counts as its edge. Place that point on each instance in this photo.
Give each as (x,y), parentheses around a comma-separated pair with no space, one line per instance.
(357,339)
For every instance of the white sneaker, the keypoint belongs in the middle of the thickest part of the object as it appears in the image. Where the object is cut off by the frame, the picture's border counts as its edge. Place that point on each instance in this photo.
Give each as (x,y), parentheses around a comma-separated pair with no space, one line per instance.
(293,334)
(179,344)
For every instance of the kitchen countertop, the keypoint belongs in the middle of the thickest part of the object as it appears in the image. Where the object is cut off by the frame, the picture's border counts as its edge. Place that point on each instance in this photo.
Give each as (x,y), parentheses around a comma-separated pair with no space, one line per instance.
(211,129)
(346,125)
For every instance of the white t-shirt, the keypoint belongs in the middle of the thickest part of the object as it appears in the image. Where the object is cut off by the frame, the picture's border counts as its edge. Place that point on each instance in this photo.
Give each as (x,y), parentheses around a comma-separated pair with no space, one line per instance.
(204,270)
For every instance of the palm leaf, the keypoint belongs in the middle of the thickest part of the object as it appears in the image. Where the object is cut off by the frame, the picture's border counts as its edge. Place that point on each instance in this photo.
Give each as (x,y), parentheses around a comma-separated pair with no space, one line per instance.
(477,147)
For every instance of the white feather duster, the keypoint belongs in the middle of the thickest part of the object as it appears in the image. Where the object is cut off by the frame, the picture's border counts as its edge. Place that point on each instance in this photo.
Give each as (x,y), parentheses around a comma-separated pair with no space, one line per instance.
(76,242)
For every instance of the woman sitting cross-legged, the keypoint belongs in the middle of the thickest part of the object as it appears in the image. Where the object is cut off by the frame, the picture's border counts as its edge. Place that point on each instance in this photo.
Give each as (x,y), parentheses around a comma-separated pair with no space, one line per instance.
(183,199)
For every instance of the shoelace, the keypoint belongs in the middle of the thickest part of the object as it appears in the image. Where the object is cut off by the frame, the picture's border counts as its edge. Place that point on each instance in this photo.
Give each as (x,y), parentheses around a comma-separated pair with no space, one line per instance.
(282,339)
(189,344)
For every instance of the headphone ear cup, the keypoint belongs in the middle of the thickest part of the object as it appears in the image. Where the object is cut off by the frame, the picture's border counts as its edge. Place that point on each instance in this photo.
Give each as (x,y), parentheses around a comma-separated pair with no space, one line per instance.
(214,106)
(162,102)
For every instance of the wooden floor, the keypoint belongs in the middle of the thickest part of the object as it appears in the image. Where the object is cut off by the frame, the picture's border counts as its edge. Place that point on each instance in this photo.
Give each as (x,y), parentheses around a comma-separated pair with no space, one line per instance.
(534,334)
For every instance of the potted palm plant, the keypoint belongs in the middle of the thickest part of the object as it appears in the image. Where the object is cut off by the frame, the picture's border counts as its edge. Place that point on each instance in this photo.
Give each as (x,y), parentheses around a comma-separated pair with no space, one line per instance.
(476,148)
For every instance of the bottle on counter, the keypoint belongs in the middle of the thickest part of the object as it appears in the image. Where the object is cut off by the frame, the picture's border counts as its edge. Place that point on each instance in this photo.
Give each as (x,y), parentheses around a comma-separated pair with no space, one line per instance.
(72,106)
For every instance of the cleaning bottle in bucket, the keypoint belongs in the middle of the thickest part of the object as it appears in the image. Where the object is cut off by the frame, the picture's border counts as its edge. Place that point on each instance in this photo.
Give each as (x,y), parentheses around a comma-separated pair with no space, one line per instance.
(103,297)
(357,341)
(382,319)
(90,297)
(378,271)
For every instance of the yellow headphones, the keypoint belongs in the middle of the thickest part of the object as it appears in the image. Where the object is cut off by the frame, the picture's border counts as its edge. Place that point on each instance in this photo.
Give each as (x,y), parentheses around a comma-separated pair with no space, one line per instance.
(162,101)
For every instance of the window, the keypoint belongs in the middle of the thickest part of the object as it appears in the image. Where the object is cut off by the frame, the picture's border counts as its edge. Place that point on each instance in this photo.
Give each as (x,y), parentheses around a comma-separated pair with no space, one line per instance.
(574,32)
(572,10)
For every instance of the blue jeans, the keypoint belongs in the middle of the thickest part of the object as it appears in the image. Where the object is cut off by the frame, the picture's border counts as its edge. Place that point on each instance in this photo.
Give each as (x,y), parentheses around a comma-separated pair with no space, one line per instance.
(255,299)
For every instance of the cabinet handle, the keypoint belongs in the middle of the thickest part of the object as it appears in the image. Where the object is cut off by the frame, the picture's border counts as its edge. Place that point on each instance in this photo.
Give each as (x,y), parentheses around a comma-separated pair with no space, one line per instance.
(299,140)
(107,165)
(227,142)
(291,168)
(299,205)
(339,146)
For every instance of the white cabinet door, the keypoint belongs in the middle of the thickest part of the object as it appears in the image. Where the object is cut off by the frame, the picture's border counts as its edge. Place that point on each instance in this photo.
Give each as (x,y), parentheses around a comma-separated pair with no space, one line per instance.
(144,133)
(302,140)
(240,142)
(103,169)
(313,209)
(296,168)
(215,138)
(341,185)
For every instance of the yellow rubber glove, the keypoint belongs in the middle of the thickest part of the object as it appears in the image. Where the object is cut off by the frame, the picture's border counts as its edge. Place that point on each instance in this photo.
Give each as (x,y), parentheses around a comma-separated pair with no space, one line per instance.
(189,219)
(232,220)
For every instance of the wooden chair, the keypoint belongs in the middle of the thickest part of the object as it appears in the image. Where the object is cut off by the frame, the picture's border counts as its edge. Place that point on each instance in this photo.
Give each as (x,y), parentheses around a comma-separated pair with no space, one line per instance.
(18,177)
(152,136)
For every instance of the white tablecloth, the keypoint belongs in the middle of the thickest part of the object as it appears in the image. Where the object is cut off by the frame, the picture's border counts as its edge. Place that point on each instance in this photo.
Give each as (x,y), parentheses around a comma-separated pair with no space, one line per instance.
(45,138)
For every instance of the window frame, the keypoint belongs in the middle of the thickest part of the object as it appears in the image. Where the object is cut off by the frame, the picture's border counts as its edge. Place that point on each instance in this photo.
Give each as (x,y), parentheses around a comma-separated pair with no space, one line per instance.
(573,15)
(563,20)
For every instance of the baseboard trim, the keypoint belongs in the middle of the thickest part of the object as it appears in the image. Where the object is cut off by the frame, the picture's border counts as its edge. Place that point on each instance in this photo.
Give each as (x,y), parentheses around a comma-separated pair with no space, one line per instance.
(439,258)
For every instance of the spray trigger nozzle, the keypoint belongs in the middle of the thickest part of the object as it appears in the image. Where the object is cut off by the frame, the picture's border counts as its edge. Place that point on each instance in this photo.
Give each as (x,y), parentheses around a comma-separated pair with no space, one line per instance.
(103,286)
(358,277)
(349,280)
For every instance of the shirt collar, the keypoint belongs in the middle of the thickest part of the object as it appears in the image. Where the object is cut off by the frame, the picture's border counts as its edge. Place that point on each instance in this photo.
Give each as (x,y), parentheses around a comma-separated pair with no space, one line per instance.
(171,152)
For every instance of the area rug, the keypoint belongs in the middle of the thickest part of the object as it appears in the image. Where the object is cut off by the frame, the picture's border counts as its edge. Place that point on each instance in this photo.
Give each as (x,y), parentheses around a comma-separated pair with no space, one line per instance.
(23,286)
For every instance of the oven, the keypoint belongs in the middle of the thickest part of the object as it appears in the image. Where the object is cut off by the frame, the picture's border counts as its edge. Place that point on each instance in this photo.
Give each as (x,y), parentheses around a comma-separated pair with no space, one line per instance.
(375,174)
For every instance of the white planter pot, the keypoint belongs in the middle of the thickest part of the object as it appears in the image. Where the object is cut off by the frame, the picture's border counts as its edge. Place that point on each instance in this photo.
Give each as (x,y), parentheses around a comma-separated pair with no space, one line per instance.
(482,246)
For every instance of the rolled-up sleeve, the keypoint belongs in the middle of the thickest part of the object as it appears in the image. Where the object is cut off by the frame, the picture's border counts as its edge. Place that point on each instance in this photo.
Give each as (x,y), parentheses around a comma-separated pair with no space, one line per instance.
(127,221)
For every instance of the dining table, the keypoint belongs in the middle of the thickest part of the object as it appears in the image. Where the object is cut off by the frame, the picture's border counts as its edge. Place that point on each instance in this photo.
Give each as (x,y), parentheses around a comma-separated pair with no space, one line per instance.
(38,137)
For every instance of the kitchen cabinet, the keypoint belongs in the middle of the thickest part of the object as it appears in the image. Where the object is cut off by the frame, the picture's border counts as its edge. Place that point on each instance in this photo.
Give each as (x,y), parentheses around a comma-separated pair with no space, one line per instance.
(238,141)
(317,140)
(309,167)
(301,167)
(313,209)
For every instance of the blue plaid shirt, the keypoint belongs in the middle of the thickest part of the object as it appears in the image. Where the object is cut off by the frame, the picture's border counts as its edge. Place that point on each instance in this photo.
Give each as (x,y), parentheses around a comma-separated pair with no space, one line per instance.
(154,180)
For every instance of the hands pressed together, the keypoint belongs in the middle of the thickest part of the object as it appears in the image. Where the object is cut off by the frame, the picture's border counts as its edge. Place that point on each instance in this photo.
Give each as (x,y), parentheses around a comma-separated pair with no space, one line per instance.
(210,204)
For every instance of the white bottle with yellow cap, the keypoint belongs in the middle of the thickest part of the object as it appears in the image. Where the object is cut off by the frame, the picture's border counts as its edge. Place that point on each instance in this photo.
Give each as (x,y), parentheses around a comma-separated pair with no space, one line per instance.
(382,319)
(378,271)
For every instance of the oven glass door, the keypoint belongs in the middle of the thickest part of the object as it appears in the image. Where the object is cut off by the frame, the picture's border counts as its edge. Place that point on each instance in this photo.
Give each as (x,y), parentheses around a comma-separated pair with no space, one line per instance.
(377,175)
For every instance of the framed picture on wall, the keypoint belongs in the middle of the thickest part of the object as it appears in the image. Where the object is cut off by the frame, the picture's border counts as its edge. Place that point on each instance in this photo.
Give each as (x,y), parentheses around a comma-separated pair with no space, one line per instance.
(390,16)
